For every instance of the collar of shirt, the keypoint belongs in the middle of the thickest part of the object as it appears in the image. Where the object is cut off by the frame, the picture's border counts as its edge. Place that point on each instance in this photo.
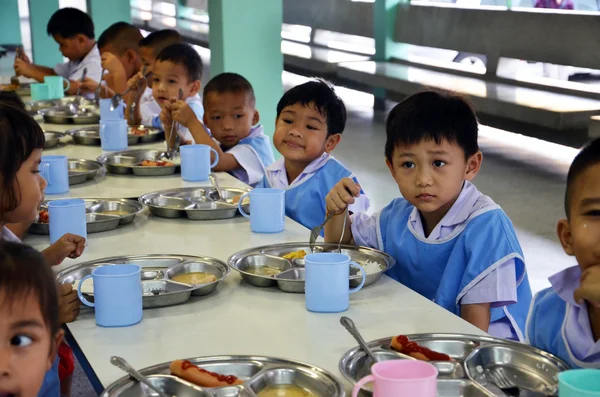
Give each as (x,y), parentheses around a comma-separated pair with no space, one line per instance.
(278,173)
(565,283)
(460,211)
(93,53)
(7,235)
(255,131)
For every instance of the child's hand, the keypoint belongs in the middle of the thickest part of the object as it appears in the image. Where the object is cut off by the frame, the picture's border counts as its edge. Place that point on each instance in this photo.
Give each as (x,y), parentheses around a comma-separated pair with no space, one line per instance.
(22,68)
(111,63)
(68,246)
(68,303)
(182,113)
(342,195)
(589,289)
(137,82)
(165,118)
(88,85)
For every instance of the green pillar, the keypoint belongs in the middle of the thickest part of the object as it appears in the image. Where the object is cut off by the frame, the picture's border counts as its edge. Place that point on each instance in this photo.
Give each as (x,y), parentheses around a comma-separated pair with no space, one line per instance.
(245,38)
(10,28)
(106,12)
(45,49)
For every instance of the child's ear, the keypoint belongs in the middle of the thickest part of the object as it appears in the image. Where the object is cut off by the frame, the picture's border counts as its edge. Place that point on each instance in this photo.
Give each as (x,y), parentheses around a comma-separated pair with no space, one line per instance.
(332,142)
(256,118)
(390,167)
(54,344)
(473,166)
(563,229)
(195,87)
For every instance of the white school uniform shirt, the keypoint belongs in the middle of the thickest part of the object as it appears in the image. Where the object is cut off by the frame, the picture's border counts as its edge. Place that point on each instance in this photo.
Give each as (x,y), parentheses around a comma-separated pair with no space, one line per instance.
(73,70)
(149,108)
(498,288)
(251,169)
(7,235)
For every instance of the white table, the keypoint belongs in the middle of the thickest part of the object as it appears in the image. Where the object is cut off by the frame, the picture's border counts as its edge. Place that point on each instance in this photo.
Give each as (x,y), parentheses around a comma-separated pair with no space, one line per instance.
(237,318)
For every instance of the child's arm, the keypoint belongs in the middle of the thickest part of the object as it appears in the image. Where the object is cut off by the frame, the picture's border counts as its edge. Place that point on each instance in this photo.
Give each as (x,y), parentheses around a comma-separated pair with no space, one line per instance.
(337,200)
(27,69)
(68,303)
(117,77)
(137,83)
(68,246)
(589,291)
(477,314)
(183,114)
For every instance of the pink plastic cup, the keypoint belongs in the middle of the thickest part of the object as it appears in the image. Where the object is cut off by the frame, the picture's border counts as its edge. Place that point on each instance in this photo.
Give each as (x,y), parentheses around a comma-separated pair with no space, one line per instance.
(401,378)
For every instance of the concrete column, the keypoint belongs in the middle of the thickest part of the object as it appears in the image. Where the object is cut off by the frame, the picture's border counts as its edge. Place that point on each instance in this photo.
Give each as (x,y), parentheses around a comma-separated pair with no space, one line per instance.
(10,28)
(245,38)
(106,12)
(44,48)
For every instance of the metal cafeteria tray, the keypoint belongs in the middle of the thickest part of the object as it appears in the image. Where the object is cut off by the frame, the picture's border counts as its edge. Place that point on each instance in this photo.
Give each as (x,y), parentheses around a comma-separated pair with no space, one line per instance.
(159,289)
(91,135)
(259,374)
(52,138)
(88,114)
(129,162)
(36,106)
(474,359)
(291,277)
(102,215)
(81,170)
(24,89)
(193,203)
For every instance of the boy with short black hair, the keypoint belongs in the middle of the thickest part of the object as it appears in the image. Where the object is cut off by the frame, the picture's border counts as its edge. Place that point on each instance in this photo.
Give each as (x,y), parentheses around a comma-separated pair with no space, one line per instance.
(232,119)
(451,243)
(565,318)
(310,121)
(73,30)
(177,76)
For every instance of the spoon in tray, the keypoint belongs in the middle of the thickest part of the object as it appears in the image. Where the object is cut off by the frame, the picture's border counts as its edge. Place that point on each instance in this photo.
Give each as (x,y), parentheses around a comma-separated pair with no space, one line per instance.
(350,327)
(170,151)
(97,93)
(125,366)
(74,106)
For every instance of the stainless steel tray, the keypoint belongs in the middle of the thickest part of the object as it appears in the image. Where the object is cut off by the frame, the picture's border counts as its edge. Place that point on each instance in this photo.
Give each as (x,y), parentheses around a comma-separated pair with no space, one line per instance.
(36,106)
(102,215)
(291,278)
(52,138)
(81,170)
(532,370)
(88,114)
(157,270)
(256,372)
(129,162)
(91,135)
(24,89)
(193,203)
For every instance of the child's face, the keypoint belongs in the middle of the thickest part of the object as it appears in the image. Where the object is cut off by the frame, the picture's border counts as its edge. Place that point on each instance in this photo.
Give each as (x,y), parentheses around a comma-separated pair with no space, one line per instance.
(431,176)
(301,134)
(168,78)
(27,349)
(72,47)
(229,116)
(30,186)
(580,235)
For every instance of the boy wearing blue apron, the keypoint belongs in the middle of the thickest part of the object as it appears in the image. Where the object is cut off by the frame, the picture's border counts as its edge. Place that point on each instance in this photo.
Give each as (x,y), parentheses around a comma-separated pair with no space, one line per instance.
(451,243)
(565,318)
(310,121)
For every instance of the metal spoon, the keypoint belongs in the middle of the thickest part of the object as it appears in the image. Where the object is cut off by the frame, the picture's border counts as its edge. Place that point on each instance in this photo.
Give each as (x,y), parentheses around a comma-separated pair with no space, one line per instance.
(215,194)
(97,93)
(116,99)
(74,106)
(135,97)
(124,365)
(349,325)
(170,149)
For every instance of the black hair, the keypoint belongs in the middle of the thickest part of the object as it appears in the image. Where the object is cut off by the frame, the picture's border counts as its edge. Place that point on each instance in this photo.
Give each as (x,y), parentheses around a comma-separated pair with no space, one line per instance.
(320,94)
(11,98)
(160,39)
(69,22)
(20,135)
(25,271)
(432,115)
(229,82)
(122,36)
(586,158)
(183,54)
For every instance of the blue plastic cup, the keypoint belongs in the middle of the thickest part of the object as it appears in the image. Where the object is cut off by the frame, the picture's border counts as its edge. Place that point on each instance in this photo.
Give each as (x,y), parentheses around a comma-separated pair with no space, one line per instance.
(66,216)
(57,86)
(40,92)
(195,162)
(117,295)
(579,383)
(113,134)
(327,285)
(55,170)
(107,114)
(267,210)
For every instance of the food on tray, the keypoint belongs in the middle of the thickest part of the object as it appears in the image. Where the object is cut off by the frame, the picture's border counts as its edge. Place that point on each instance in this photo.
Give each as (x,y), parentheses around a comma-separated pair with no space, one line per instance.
(139,130)
(43,216)
(295,255)
(87,287)
(195,278)
(263,270)
(236,199)
(369,266)
(285,391)
(201,377)
(9,87)
(157,163)
(404,345)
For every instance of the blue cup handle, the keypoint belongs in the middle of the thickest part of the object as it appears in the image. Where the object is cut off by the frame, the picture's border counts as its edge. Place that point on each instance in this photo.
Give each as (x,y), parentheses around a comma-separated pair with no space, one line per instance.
(240,205)
(45,171)
(80,295)
(364,277)
(68,84)
(216,158)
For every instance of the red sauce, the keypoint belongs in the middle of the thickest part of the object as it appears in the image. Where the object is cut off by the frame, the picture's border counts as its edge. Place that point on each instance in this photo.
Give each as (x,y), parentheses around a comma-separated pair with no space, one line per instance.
(409,346)
(229,379)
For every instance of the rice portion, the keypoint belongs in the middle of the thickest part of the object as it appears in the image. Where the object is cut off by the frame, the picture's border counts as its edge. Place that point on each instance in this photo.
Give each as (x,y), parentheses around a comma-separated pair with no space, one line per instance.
(370,267)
